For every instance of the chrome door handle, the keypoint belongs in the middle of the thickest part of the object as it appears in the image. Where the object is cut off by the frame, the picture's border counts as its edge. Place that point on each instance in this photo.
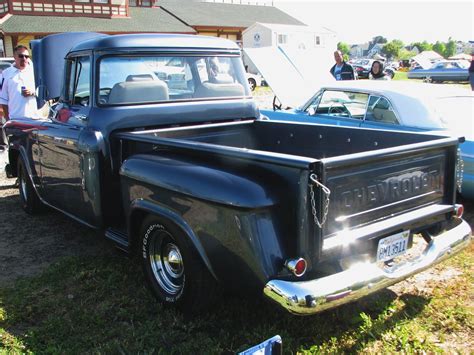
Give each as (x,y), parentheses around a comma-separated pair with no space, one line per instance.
(81,117)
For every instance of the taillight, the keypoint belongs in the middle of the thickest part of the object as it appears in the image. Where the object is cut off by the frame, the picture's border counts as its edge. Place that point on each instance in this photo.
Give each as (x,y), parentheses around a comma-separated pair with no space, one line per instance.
(296,266)
(458,210)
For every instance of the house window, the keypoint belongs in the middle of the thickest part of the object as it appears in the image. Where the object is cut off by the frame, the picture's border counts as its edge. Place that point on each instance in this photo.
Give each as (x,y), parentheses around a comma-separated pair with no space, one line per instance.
(317,41)
(282,39)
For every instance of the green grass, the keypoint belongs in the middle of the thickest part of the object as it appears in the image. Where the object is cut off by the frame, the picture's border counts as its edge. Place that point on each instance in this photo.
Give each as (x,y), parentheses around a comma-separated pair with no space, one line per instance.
(400,75)
(100,305)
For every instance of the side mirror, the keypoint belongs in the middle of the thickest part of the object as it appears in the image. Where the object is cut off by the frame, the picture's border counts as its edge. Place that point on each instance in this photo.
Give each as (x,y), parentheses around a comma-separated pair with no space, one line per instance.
(311,111)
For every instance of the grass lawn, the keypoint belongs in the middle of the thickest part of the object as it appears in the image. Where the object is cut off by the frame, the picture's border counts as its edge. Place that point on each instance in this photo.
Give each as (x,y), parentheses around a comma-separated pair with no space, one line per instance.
(100,305)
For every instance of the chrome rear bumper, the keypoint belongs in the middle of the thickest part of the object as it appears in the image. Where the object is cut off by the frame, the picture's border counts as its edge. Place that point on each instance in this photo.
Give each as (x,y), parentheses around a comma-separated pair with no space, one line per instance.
(309,297)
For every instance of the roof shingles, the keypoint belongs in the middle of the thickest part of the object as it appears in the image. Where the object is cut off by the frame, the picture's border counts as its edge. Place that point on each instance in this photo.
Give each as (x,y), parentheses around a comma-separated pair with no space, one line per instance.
(226,15)
(141,20)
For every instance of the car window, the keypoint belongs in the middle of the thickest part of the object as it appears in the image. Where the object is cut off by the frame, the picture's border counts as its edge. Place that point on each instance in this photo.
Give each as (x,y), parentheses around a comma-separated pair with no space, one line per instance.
(342,104)
(79,90)
(148,79)
(380,110)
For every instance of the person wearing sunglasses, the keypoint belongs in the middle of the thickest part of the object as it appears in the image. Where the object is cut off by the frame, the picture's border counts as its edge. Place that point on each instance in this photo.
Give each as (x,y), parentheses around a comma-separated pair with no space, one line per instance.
(17,95)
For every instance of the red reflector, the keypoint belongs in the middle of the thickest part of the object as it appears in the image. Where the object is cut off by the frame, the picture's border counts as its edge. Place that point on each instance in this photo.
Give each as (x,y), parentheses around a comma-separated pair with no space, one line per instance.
(459,210)
(296,266)
(300,267)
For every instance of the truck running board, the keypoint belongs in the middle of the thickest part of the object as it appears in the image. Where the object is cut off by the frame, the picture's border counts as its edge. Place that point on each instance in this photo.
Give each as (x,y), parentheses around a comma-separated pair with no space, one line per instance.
(119,238)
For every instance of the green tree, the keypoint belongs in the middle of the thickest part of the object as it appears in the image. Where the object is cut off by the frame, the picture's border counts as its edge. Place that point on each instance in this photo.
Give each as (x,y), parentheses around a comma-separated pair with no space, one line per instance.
(343,47)
(392,48)
(450,48)
(439,47)
(405,54)
(423,46)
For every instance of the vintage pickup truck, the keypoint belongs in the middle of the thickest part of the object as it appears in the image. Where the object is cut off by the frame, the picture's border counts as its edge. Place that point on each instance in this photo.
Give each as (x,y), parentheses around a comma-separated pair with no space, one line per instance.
(177,166)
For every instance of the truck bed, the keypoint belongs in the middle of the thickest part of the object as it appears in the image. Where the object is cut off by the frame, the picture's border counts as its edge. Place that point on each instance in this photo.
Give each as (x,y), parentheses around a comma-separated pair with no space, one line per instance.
(372,175)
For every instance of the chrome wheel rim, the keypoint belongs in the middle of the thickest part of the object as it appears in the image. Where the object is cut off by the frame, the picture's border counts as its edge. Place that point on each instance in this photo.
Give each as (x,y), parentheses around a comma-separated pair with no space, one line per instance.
(167,263)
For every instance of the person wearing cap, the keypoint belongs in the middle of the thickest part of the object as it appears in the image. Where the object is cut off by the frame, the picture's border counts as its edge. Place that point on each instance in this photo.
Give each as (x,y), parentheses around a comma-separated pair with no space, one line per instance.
(17,95)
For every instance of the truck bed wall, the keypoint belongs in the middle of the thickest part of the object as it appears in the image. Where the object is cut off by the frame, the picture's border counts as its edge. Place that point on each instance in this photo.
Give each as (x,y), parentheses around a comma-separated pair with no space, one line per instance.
(315,141)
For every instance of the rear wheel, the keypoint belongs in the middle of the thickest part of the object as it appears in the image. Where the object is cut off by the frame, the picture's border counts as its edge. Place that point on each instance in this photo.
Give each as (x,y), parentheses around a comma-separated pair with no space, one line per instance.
(30,201)
(174,271)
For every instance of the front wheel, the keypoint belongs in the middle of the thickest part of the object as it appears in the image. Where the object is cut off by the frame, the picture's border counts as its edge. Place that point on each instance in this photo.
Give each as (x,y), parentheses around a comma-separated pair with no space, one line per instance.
(173,269)
(30,201)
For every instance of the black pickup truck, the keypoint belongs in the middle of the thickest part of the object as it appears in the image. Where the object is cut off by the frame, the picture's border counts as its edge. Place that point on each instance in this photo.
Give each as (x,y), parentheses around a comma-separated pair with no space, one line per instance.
(156,140)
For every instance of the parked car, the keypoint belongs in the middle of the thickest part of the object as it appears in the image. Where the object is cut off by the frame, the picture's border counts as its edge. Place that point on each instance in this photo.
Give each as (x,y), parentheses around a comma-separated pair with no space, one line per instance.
(363,66)
(254,80)
(394,106)
(4,65)
(446,70)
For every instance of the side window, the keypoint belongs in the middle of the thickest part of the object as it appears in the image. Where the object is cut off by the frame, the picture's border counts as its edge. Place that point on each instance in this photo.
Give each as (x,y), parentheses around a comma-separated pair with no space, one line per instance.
(79,89)
(343,104)
(380,110)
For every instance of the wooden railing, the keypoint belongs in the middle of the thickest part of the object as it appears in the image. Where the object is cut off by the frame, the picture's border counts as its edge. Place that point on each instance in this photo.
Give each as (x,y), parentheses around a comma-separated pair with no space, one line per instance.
(83,8)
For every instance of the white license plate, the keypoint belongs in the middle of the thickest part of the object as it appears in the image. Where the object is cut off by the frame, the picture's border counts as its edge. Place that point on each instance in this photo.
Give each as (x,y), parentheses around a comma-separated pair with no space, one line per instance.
(393,246)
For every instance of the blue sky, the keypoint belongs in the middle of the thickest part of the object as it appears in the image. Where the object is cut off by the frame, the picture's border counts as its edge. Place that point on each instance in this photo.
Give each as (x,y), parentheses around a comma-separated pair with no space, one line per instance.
(411,21)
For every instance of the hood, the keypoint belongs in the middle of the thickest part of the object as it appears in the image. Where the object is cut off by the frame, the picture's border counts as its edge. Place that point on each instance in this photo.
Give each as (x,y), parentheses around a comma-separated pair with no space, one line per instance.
(294,75)
(48,58)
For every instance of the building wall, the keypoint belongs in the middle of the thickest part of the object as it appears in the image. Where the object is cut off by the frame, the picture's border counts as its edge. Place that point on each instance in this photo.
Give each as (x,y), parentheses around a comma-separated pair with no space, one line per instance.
(8,43)
(257,36)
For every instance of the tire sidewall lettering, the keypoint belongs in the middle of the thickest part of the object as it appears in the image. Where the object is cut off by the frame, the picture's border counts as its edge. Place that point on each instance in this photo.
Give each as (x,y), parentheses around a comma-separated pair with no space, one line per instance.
(149,232)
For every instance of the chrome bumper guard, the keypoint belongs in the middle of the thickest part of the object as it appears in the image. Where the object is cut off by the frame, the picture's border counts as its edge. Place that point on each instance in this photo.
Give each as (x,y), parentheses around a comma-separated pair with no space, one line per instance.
(309,297)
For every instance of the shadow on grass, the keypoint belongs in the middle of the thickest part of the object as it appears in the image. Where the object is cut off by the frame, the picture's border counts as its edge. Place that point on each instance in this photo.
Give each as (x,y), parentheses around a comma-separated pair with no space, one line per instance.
(100,304)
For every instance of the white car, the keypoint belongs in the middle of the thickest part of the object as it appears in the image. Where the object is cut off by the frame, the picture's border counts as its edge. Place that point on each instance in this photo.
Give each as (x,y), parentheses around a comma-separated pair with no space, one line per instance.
(254,80)
(403,106)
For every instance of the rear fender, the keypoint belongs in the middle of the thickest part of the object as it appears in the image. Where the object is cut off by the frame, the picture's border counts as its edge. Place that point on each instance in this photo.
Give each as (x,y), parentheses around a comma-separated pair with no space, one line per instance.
(201,180)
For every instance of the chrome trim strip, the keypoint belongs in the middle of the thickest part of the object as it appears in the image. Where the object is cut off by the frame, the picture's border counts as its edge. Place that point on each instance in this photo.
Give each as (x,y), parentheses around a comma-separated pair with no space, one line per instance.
(309,297)
(346,237)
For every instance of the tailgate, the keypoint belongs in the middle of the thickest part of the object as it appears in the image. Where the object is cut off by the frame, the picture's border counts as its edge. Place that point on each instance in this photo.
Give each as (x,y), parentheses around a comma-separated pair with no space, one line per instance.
(373,186)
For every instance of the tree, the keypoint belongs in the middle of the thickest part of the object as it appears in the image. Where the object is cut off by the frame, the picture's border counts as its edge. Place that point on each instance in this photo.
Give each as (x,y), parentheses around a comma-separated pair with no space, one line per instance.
(379,39)
(405,54)
(422,46)
(392,48)
(450,48)
(343,47)
(439,47)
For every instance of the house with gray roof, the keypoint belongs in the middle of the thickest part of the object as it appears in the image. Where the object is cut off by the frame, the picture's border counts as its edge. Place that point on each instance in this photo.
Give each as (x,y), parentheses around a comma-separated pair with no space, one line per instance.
(20,22)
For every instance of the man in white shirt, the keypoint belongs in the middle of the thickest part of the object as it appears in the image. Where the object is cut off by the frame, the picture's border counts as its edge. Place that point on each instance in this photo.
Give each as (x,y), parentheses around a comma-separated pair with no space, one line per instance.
(17,95)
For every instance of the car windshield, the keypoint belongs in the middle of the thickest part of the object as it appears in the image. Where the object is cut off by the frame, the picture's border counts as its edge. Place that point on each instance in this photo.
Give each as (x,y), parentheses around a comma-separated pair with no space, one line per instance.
(134,80)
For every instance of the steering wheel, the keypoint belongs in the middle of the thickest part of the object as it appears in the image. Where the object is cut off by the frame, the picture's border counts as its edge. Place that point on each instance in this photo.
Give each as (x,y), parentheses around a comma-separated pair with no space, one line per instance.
(276,104)
(339,110)
(104,94)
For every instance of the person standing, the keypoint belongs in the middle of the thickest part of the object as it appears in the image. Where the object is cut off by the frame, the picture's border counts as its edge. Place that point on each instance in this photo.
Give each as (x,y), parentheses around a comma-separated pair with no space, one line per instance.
(17,95)
(471,72)
(376,71)
(342,70)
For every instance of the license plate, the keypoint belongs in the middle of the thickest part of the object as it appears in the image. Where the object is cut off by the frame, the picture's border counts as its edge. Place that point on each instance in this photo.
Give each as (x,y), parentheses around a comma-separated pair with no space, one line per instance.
(393,246)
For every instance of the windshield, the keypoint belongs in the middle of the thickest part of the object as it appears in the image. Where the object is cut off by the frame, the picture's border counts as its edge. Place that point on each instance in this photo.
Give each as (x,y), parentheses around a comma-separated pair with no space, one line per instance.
(134,80)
